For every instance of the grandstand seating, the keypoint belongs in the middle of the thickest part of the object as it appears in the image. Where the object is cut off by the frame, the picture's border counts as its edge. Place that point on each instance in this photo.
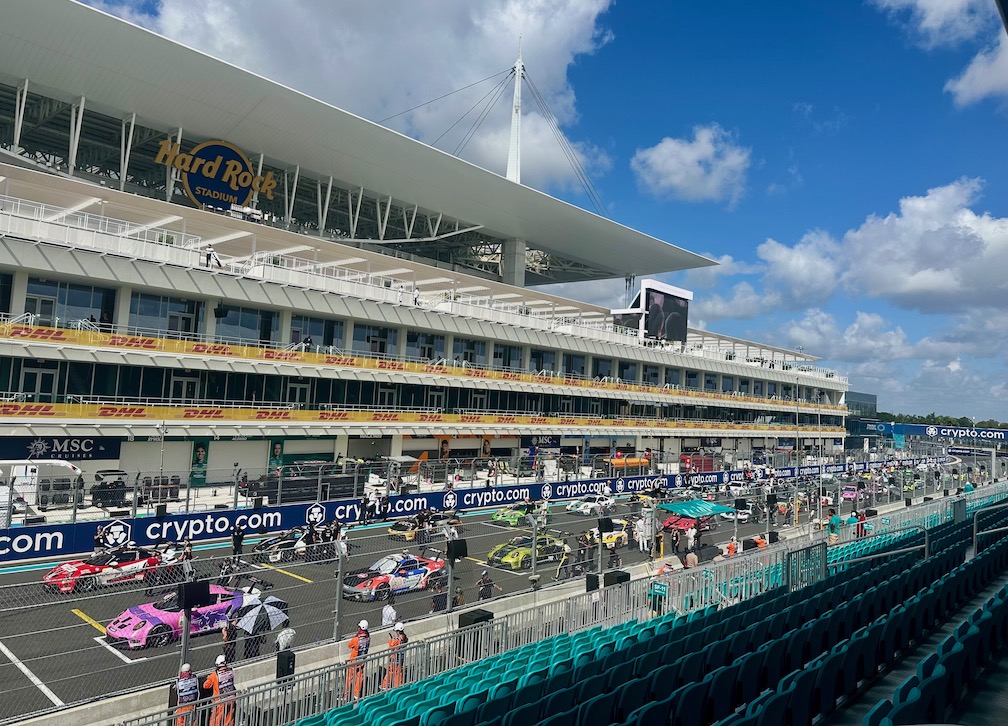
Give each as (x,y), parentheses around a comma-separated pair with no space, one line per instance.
(783,657)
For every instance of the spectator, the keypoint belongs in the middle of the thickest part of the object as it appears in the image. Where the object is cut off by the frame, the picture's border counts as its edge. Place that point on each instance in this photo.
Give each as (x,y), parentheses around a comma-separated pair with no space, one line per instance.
(212,258)
(852,520)
(674,536)
(691,534)
(416,297)
(691,560)
(833,527)
(862,528)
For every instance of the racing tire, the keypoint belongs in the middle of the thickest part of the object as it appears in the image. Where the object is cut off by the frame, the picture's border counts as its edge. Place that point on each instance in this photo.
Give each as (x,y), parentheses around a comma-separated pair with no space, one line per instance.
(88,583)
(159,637)
(525,563)
(383,592)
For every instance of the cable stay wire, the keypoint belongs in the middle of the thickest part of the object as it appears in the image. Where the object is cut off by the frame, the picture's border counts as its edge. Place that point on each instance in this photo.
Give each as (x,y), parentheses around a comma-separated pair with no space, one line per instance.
(495,90)
(479,120)
(434,100)
(572,156)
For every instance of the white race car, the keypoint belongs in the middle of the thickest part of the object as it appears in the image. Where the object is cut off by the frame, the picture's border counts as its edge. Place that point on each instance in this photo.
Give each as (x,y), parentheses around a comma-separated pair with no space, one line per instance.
(591,504)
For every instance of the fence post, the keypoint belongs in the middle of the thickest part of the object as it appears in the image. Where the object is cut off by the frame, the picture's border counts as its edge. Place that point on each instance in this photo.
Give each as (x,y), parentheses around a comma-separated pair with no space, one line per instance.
(338,610)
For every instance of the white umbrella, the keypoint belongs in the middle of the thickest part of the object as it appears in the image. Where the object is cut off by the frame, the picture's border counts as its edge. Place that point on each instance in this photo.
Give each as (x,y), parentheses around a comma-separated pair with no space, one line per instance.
(258,616)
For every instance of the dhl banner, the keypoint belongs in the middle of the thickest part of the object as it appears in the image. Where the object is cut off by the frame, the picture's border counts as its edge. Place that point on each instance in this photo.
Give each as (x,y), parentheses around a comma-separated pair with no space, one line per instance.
(138,412)
(114,341)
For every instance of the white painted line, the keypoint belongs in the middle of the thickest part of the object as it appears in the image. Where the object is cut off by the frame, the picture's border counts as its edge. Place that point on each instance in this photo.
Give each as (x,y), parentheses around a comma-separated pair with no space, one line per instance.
(100,640)
(31,676)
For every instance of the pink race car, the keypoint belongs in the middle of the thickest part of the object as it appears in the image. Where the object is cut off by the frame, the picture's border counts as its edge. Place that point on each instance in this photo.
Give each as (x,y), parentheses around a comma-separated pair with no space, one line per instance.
(158,624)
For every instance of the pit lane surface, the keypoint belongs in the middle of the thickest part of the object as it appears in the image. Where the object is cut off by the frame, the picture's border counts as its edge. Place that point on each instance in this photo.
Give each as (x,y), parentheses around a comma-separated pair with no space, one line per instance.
(52,648)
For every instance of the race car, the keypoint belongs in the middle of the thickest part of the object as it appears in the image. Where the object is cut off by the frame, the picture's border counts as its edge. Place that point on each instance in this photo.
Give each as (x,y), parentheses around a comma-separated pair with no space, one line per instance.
(394,574)
(591,504)
(306,542)
(619,537)
(157,624)
(513,515)
(703,524)
(406,530)
(128,563)
(516,553)
(742,515)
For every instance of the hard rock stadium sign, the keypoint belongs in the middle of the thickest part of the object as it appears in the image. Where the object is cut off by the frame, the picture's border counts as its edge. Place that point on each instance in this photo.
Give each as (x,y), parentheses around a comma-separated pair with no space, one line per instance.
(216,174)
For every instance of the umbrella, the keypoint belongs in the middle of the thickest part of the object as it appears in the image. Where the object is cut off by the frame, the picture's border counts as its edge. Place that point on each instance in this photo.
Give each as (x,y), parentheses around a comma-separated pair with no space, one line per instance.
(258,616)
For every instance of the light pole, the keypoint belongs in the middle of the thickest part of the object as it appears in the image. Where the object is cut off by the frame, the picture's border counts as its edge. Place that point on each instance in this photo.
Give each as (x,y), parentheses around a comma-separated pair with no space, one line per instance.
(162,431)
(796,442)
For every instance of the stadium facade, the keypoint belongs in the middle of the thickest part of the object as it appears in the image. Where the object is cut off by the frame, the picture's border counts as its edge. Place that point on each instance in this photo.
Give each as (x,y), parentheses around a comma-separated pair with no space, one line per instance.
(192,255)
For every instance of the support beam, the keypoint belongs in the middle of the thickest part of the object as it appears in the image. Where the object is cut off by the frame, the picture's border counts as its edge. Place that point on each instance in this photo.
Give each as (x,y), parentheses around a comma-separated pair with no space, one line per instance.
(223,238)
(125,148)
(290,195)
(20,102)
(259,168)
(353,212)
(61,214)
(76,123)
(323,206)
(383,218)
(172,174)
(152,225)
(513,262)
(409,219)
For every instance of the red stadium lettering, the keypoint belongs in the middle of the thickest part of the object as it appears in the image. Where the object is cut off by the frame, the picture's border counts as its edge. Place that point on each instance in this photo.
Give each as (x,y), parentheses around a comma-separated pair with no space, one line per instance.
(271,416)
(214,349)
(26,409)
(339,360)
(20,331)
(203,413)
(122,412)
(334,416)
(131,341)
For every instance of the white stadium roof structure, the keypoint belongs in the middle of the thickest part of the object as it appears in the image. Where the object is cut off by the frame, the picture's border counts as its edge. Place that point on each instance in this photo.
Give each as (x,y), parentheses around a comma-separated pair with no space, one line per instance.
(414,201)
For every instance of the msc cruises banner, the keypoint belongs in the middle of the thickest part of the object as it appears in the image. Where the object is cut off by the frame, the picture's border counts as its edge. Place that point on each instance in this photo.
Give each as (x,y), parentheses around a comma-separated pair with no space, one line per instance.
(48,540)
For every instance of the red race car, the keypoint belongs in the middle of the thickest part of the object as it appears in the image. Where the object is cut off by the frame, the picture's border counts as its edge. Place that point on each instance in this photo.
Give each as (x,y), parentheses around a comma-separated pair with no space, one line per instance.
(704,524)
(128,563)
(394,574)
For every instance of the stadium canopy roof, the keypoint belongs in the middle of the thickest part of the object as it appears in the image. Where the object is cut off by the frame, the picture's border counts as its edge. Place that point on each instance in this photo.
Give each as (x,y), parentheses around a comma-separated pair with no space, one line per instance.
(68,50)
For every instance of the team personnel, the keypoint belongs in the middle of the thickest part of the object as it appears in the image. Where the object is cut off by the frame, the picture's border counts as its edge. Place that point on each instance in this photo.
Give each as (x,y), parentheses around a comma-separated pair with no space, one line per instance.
(486,586)
(221,680)
(564,565)
(187,688)
(359,646)
(237,537)
(397,641)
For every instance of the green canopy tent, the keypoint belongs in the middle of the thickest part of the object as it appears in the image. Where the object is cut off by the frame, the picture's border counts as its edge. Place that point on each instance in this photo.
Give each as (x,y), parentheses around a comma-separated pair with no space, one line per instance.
(695,509)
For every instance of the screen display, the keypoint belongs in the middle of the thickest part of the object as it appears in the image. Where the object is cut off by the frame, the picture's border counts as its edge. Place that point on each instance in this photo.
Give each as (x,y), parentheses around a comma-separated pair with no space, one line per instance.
(665,316)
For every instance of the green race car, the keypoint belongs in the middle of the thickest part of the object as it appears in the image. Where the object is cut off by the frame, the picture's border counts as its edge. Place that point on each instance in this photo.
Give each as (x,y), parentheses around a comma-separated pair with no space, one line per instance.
(513,515)
(516,554)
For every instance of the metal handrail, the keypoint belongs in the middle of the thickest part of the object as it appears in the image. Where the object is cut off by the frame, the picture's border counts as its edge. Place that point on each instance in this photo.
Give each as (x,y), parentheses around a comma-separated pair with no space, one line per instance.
(976,523)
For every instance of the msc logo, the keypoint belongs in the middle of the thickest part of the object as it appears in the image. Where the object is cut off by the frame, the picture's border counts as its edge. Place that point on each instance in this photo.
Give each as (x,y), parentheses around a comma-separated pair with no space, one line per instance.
(117,533)
(315,514)
(931,430)
(450,501)
(216,174)
(547,491)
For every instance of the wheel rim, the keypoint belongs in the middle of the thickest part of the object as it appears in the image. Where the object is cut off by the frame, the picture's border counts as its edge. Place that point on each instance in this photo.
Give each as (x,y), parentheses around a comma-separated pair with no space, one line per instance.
(160,638)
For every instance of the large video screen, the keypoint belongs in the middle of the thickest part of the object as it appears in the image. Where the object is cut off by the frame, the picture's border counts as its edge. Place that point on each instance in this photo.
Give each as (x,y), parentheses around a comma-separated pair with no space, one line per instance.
(665,316)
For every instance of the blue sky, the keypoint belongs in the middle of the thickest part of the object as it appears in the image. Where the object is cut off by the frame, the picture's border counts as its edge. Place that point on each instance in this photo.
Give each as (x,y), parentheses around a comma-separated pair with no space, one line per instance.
(845,161)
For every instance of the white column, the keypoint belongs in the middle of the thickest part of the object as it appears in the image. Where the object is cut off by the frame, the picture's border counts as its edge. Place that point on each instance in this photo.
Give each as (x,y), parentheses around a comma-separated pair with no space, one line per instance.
(121,317)
(19,290)
(76,123)
(125,148)
(513,262)
(20,103)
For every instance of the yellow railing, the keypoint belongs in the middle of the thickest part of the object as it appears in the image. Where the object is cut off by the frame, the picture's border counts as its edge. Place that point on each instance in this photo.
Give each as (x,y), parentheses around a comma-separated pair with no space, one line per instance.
(114,341)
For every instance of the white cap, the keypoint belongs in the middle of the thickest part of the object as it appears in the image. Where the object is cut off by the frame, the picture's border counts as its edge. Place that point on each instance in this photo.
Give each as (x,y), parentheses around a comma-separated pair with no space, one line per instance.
(399,626)
(186,668)
(221,660)
(362,625)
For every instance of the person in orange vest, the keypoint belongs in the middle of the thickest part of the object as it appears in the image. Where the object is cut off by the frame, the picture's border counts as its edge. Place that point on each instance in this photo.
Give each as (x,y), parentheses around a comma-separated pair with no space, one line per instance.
(359,646)
(396,641)
(732,547)
(221,680)
(187,688)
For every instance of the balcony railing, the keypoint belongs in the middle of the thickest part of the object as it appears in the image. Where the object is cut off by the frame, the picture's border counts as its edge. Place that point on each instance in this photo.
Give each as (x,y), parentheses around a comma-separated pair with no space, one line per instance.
(33,220)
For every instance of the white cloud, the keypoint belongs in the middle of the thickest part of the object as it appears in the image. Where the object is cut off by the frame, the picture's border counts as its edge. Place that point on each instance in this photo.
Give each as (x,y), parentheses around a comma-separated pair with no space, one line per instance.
(744,302)
(709,167)
(936,254)
(378,59)
(941,22)
(727,266)
(985,77)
